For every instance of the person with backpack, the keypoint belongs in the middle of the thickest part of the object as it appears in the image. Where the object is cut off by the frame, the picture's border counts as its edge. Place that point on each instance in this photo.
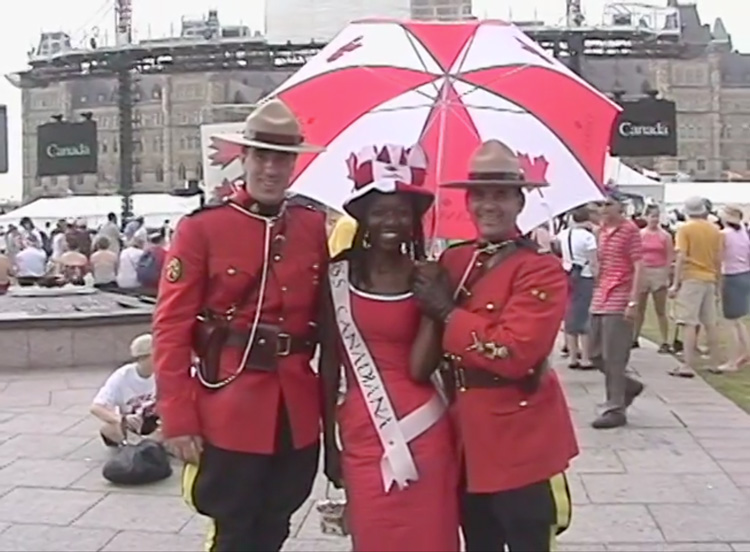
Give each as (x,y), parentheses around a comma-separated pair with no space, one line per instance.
(150,264)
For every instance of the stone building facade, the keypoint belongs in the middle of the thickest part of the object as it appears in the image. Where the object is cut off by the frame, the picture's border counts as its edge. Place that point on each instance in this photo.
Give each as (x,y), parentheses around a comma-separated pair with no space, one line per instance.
(710,85)
(169,110)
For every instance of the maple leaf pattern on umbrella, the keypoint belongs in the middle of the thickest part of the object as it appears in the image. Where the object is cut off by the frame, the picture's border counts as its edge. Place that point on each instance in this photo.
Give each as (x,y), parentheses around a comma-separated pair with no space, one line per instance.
(223,153)
(535,170)
(225,189)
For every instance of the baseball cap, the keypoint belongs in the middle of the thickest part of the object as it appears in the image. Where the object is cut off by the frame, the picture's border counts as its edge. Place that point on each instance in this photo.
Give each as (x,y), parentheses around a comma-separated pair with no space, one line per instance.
(141,346)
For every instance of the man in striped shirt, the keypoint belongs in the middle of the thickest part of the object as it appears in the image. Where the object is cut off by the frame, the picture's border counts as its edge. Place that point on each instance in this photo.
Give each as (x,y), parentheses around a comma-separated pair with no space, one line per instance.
(613,309)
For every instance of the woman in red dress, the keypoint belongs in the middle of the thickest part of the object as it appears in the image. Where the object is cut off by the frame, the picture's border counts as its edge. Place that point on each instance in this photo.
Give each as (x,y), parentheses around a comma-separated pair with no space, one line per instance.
(405,499)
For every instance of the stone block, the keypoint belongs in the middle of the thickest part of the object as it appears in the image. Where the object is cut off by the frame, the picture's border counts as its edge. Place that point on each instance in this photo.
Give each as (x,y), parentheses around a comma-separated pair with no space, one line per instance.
(142,541)
(714,489)
(698,523)
(49,473)
(636,489)
(124,512)
(45,538)
(679,547)
(28,446)
(597,461)
(594,523)
(92,480)
(95,346)
(317,545)
(50,348)
(741,546)
(14,345)
(40,424)
(668,460)
(45,506)
(198,525)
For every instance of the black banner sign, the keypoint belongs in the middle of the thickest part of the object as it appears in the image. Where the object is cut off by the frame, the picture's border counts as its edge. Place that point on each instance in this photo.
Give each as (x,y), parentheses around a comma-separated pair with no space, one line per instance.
(3,139)
(645,128)
(67,148)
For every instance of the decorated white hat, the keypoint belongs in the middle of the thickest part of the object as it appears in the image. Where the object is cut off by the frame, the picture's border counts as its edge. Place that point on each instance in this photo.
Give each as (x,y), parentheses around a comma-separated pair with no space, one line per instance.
(389,169)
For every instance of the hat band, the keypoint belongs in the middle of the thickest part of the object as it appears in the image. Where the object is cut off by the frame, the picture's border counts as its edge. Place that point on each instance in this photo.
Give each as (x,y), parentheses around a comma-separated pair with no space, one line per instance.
(274,138)
(498,175)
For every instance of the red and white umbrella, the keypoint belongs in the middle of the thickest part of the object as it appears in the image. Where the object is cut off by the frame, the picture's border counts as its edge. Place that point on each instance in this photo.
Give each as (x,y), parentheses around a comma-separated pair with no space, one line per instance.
(448,87)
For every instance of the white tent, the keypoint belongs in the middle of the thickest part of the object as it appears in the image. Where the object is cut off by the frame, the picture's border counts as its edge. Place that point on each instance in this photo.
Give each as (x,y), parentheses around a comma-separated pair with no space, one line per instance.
(622,175)
(720,193)
(630,180)
(155,208)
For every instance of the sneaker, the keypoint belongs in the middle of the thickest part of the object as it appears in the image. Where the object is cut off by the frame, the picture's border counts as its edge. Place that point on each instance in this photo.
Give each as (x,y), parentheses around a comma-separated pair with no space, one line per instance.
(664,349)
(610,420)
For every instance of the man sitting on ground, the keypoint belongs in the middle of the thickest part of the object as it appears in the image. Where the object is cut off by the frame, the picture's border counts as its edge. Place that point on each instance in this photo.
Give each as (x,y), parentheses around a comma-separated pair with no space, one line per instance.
(126,401)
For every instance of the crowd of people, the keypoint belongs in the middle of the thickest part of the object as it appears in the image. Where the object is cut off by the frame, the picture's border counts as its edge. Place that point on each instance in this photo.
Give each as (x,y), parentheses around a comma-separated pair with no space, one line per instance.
(691,266)
(126,259)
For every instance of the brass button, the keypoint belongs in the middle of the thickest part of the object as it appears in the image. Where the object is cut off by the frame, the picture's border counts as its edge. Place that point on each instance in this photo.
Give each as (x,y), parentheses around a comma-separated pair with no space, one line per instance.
(231,271)
(490,307)
(316,266)
(283,288)
(277,258)
(261,341)
(530,372)
(523,403)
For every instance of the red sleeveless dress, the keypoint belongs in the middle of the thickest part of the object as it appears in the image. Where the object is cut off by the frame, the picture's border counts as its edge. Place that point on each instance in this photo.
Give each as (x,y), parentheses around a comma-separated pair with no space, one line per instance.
(424,516)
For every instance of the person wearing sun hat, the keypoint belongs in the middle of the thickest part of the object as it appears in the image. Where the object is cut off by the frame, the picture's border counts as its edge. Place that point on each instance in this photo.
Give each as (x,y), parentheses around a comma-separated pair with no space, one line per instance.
(406,499)
(735,285)
(240,289)
(498,314)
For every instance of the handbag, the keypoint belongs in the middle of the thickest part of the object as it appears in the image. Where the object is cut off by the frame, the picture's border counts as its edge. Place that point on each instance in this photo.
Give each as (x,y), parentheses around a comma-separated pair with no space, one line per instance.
(332,514)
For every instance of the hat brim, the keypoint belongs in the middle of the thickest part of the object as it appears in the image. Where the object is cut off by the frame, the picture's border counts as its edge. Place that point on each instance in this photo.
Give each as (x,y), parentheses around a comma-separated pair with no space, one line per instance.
(240,140)
(357,206)
(468,184)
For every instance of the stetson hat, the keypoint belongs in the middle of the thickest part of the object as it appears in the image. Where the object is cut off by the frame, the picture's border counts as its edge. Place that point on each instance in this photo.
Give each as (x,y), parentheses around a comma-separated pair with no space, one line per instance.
(495,164)
(273,126)
(731,214)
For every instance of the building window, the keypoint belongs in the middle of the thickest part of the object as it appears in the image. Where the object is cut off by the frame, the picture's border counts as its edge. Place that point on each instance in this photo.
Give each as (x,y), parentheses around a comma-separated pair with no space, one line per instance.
(78,180)
(136,173)
(103,147)
(156,92)
(181,173)
(199,171)
(701,164)
(725,166)
(159,173)
(682,165)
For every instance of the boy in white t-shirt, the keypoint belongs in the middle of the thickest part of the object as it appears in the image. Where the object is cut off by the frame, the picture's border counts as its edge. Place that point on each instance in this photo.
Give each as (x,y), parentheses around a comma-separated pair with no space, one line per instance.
(126,402)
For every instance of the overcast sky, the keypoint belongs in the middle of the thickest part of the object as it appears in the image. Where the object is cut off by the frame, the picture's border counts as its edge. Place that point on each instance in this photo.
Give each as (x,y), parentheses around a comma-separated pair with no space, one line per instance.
(20,27)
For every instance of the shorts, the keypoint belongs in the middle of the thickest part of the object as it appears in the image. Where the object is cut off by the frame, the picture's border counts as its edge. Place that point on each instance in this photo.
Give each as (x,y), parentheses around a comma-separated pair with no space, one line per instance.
(696,303)
(654,278)
(735,295)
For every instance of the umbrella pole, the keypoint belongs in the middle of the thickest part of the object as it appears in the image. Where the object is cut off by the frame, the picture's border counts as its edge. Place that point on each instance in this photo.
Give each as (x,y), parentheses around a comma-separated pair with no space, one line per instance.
(435,250)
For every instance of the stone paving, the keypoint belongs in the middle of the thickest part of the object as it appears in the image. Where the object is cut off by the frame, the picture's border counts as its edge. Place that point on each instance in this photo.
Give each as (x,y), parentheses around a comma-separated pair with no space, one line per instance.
(676,479)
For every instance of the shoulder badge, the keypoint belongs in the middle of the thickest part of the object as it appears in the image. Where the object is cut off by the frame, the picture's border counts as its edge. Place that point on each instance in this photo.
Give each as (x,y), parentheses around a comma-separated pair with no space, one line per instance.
(173,270)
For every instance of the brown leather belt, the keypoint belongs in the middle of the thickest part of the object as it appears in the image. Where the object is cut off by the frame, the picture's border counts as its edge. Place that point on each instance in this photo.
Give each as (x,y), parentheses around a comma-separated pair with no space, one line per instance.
(270,344)
(474,378)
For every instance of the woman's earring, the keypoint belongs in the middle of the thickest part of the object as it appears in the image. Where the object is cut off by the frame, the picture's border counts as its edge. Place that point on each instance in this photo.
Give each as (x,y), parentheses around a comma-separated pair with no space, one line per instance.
(366,241)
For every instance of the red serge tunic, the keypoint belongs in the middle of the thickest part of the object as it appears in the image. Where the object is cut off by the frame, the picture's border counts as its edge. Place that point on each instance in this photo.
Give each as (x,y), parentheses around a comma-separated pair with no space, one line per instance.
(423,516)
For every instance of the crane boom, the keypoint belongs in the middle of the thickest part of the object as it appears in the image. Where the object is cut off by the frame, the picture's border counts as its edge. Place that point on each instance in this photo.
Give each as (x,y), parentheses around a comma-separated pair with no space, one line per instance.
(124,22)
(573,13)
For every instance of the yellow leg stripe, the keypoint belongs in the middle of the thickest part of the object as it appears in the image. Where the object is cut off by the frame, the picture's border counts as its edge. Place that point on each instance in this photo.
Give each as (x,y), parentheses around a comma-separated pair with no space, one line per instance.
(563,506)
(189,475)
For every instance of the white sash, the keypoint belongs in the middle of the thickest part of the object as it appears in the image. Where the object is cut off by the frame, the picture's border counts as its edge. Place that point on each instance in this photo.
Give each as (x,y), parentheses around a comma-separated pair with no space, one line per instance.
(397,465)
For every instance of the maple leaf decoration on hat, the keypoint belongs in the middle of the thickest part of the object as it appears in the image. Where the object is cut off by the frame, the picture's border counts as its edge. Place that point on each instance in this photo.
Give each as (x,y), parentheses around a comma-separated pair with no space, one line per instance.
(223,153)
(534,170)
